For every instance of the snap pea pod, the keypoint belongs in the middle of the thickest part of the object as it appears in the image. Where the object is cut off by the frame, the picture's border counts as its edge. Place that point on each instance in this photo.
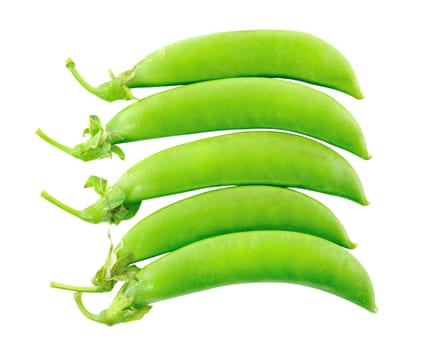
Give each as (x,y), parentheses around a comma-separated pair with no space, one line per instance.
(264,53)
(212,213)
(224,104)
(243,257)
(245,158)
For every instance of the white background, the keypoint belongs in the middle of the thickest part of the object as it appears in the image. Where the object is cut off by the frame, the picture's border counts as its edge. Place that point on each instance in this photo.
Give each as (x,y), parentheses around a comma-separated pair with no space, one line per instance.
(384,42)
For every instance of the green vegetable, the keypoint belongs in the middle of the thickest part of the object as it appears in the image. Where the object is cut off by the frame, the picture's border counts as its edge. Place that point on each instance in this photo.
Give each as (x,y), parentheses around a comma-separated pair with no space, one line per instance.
(262,53)
(257,256)
(239,208)
(245,158)
(236,103)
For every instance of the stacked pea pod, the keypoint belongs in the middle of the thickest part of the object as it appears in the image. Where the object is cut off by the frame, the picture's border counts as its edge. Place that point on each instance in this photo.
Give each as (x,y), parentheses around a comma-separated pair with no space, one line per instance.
(256,228)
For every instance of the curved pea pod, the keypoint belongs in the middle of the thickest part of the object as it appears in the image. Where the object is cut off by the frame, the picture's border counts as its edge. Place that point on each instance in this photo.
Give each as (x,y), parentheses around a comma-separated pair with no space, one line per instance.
(217,212)
(224,104)
(262,53)
(245,158)
(243,257)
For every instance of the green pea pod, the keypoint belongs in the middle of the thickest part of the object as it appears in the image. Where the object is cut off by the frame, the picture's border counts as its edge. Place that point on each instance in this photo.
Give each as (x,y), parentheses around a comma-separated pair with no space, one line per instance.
(243,257)
(212,213)
(245,158)
(261,53)
(224,104)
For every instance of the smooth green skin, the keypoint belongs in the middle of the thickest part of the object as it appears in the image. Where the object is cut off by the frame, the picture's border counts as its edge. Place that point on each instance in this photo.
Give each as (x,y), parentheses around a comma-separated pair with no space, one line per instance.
(235,103)
(240,208)
(264,53)
(245,158)
(244,257)
(239,103)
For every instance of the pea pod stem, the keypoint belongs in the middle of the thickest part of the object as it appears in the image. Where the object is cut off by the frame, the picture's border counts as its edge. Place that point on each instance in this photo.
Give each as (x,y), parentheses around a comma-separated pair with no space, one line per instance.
(59,204)
(58,145)
(54,143)
(69,63)
(83,309)
(116,89)
(110,316)
(88,289)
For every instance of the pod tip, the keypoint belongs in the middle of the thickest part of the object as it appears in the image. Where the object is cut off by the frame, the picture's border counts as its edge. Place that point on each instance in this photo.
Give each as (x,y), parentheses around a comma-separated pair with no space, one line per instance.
(365,155)
(69,62)
(351,245)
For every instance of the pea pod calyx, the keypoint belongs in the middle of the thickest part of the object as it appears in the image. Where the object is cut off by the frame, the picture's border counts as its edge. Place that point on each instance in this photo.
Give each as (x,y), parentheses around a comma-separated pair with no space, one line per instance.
(113,270)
